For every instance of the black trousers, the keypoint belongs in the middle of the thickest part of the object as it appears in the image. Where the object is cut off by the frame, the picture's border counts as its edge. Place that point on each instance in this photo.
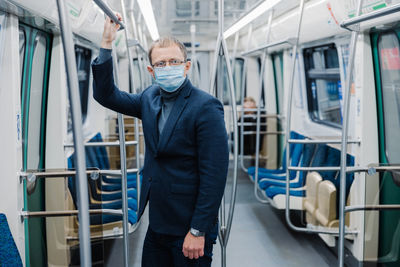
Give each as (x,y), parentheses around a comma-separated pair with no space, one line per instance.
(160,250)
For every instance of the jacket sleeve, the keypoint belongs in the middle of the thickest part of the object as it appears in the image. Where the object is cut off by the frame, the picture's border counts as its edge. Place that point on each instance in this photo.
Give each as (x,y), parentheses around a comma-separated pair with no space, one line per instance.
(108,95)
(213,160)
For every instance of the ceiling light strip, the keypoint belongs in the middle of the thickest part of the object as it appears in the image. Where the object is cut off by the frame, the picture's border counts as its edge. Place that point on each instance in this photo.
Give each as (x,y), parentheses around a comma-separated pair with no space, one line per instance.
(147,11)
(250,16)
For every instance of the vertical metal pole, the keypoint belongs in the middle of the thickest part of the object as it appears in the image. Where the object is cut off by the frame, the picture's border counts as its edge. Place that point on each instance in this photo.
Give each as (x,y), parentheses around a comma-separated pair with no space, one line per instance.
(289,114)
(132,78)
(124,183)
(243,89)
(195,70)
(80,162)
(263,67)
(214,67)
(345,132)
(222,51)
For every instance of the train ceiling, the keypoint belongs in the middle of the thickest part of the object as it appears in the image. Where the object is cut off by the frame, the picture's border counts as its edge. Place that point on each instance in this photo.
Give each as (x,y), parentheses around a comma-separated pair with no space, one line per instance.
(174,17)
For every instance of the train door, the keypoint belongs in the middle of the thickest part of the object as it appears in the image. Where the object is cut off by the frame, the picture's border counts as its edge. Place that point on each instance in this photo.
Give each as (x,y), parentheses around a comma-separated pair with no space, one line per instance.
(386,48)
(34,48)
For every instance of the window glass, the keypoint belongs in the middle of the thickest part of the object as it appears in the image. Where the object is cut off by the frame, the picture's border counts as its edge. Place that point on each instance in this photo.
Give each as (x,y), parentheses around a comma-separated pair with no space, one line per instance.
(323,84)
(137,82)
(35,101)
(237,73)
(389,60)
(83,57)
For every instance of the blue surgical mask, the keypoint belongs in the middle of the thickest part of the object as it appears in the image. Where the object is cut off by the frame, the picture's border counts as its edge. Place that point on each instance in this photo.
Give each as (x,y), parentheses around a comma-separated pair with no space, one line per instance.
(170,78)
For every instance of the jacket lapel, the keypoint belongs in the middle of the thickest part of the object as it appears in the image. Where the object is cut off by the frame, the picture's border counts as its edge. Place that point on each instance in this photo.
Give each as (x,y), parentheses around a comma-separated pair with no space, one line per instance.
(179,106)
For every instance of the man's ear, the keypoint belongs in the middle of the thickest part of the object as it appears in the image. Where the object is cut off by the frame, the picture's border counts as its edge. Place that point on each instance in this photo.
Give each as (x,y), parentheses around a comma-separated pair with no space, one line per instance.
(187,67)
(151,71)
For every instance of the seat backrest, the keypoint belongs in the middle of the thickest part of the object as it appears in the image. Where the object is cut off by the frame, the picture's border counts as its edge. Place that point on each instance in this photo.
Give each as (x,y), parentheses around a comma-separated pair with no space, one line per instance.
(296,157)
(332,160)
(326,211)
(312,181)
(306,158)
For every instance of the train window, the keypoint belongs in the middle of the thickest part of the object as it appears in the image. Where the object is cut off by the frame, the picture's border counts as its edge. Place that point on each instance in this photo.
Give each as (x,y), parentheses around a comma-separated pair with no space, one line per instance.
(237,72)
(389,61)
(136,76)
(323,84)
(83,57)
(277,61)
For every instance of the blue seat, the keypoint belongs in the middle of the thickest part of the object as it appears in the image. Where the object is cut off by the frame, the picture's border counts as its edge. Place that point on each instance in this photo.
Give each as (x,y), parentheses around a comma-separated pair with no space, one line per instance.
(281,170)
(306,157)
(105,193)
(295,160)
(9,255)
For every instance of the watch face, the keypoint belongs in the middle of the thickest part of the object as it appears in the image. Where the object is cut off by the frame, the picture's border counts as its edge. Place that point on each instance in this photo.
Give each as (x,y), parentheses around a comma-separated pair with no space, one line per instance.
(196,232)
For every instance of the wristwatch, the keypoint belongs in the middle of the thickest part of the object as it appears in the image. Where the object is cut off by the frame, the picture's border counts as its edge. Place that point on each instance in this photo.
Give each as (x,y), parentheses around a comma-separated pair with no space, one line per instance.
(196,232)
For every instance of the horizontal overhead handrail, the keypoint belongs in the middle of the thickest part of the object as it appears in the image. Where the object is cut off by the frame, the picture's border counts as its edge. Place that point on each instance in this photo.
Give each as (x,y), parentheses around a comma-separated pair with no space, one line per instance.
(64,213)
(109,12)
(290,41)
(371,207)
(315,141)
(101,144)
(372,15)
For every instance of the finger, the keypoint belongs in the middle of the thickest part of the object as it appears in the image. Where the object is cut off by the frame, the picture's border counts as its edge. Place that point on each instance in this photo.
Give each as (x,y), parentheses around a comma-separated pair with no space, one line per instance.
(201,253)
(191,255)
(196,254)
(185,252)
(118,16)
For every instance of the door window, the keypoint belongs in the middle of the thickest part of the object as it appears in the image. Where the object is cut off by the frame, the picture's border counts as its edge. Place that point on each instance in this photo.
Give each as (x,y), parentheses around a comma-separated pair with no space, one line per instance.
(389,61)
(323,84)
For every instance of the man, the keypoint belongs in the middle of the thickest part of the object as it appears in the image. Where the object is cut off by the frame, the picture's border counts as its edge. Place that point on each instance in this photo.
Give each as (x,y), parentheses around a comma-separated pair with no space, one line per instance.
(186,159)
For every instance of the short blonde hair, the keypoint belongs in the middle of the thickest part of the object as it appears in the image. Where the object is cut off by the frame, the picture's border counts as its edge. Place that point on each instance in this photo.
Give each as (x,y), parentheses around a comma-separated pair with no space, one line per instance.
(249,99)
(167,42)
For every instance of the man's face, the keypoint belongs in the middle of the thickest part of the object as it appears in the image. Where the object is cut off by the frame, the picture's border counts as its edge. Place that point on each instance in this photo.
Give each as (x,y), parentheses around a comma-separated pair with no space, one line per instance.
(166,54)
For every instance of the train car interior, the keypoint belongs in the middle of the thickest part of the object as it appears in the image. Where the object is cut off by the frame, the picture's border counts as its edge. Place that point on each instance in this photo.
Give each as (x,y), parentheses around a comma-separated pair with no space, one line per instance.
(311,98)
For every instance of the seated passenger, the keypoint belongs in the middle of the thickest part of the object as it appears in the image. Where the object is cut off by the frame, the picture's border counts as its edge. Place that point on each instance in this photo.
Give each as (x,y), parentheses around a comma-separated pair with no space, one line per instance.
(250,116)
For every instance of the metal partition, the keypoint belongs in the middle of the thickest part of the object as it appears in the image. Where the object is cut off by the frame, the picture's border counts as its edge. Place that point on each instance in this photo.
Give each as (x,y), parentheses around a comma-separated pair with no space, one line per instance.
(80,162)
(221,53)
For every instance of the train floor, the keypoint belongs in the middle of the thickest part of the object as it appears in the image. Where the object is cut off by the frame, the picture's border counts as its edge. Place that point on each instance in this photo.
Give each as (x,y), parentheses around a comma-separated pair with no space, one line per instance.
(259,237)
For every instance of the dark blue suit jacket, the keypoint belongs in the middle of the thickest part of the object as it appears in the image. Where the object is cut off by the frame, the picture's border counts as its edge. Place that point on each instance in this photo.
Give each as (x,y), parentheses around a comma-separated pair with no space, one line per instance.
(185,167)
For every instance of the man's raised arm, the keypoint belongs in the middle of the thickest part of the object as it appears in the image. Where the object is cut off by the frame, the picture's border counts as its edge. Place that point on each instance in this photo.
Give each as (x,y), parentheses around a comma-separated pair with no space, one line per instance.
(104,90)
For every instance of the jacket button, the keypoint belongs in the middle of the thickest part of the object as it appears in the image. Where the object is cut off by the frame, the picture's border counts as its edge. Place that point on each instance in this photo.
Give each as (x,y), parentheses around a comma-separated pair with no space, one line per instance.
(149,179)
